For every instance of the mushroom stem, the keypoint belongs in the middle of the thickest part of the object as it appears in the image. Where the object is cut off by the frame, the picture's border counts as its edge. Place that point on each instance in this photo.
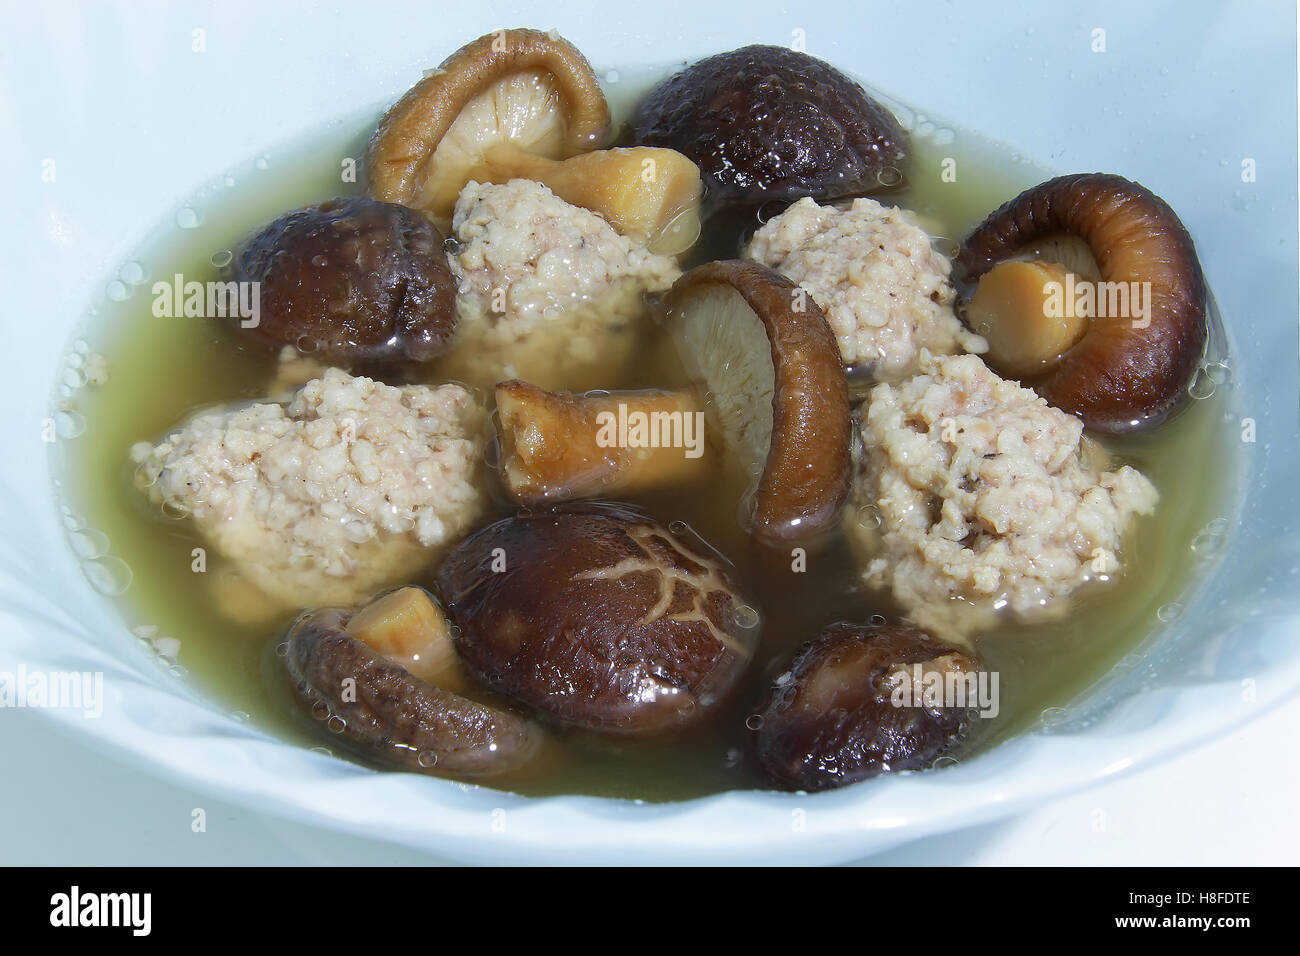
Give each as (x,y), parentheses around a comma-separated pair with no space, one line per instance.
(1015,308)
(409,629)
(557,446)
(650,195)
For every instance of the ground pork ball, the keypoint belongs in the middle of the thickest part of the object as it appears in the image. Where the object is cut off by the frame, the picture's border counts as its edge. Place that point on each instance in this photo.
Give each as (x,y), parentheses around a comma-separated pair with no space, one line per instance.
(974,495)
(548,291)
(873,271)
(350,486)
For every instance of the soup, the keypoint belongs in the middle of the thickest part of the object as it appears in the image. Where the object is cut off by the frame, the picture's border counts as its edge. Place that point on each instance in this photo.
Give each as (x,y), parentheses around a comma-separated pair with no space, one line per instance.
(162,369)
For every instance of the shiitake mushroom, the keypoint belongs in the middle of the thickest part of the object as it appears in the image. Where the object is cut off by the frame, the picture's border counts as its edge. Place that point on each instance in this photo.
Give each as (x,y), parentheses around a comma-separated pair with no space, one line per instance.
(526,89)
(831,719)
(1118,373)
(384,711)
(598,617)
(350,281)
(771,369)
(769,123)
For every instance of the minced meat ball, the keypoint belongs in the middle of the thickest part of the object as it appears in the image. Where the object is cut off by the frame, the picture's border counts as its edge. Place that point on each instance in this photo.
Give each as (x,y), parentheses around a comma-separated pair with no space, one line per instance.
(351,486)
(986,498)
(545,287)
(875,274)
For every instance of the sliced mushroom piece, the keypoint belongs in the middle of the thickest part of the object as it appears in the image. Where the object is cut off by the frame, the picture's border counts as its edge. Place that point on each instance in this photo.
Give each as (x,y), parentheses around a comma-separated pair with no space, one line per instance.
(387,713)
(1124,360)
(556,446)
(851,707)
(526,88)
(774,381)
(599,617)
(649,195)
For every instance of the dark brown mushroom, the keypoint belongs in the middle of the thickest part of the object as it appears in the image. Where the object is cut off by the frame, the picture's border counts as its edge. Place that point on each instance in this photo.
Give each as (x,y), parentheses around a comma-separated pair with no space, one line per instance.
(849,708)
(769,123)
(350,281)
(1121,371)
(598,617)
(385,712)
(774,379)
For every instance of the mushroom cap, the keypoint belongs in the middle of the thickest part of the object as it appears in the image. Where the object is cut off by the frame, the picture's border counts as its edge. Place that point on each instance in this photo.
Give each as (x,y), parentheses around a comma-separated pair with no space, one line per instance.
(394,716)
(1121,375)
(770,123)
(402,155)
(597,617)
(745,329)
(350,280)
(831,721)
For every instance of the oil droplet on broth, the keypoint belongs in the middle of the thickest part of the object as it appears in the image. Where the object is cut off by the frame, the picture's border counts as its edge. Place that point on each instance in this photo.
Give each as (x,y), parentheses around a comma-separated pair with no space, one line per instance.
(69,424)
(108,575)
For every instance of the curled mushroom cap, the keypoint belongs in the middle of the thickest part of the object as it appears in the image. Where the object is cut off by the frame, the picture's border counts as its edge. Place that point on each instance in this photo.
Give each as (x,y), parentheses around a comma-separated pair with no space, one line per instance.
(350,280)
(387,713)
(771,368)
(523,87)
(1118,372)
(847,710)
(598,617)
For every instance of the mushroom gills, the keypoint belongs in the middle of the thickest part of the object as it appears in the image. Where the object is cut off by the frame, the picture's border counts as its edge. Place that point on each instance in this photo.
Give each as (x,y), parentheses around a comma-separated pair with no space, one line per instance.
(526,88)
(523,110)
(723,346)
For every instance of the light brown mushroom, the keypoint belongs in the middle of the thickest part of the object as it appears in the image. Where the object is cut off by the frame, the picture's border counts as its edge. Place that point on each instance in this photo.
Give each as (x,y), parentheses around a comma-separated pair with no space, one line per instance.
(525,88)
(770,366)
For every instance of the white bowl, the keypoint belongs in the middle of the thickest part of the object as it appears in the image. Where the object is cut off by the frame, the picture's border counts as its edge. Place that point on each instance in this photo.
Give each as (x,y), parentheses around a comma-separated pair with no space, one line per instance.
(134,118)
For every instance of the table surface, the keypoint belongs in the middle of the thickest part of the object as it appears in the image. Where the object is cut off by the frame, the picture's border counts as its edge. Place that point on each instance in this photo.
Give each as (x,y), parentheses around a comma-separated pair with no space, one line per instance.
(1228,802)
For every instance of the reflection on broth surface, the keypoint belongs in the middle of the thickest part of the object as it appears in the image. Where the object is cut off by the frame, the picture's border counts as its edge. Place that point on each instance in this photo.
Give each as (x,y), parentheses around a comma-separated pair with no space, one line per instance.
(161,370)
